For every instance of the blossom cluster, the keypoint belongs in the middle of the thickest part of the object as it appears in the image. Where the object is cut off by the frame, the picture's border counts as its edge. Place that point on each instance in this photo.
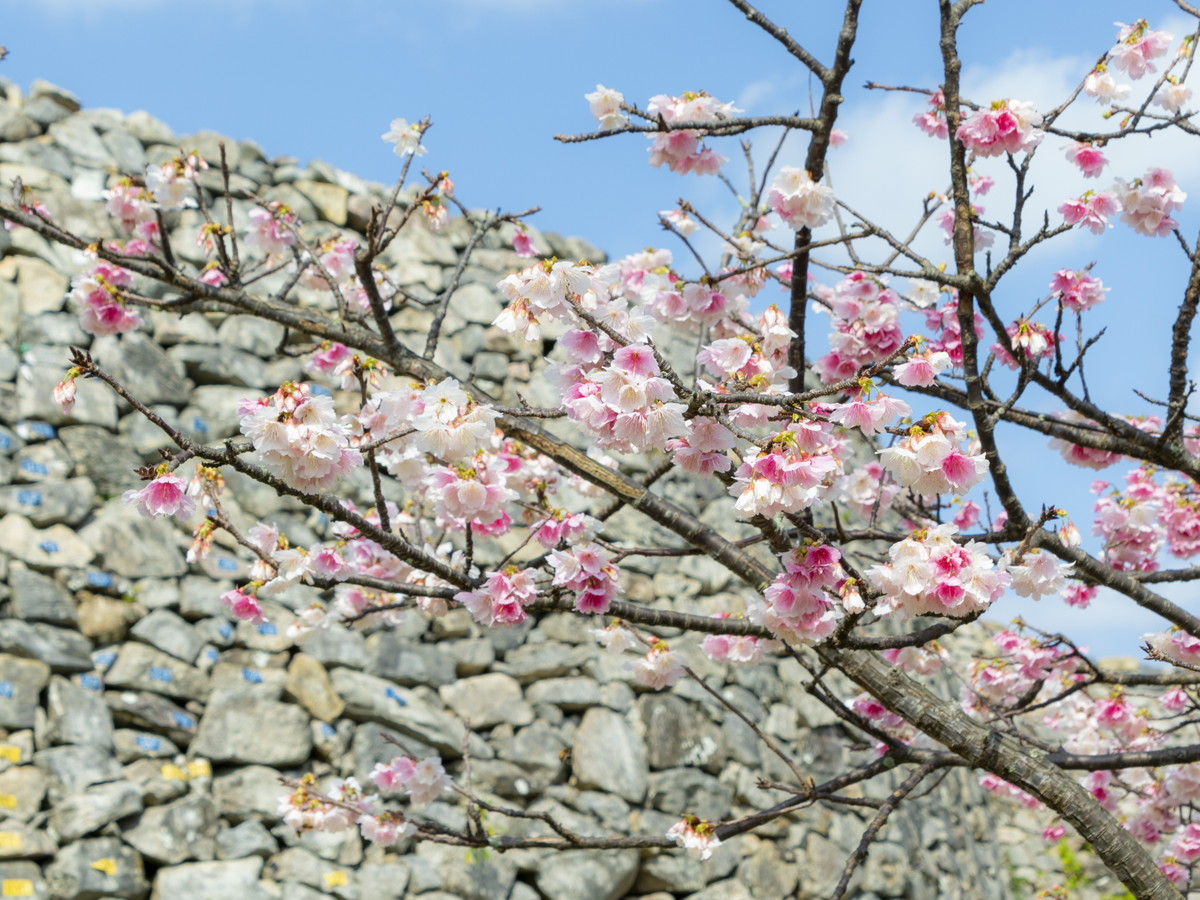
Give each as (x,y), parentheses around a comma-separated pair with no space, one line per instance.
(1077,291)
(682,149)
(299,437)
(930,572)
(800,201)
(1007,126)
(931,459)
(1147,515)
(796,468)
(798,605)
(97,293)
(866,326)
(1033,340)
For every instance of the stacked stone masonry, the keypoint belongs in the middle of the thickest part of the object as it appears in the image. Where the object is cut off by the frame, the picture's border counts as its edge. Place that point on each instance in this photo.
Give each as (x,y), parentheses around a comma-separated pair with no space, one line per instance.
(144,734)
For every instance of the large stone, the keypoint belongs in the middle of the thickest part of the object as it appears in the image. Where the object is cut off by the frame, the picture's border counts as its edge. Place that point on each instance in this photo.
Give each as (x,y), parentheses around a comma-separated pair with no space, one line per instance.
(130,544)
(169,633)
(179,831)
(74,768)
(22,789)
(309,684)
(487,700)
(158,782)
(77,715)
(51,503)
(608,755)
(143,668)
(220,365)
(390,656)
(81,141)
(131,744)
(405,710)
(241,728)
(144,369)
(47,548)
(102,457)
(142,709)
(329,199)
(250,838)
(16,125)
(21,684)
(84,813)
(479,878)
(250,791)
(39,598)
(597,875)
(210,880)
(678,733)
(62,650)
(23,879)
(97,868)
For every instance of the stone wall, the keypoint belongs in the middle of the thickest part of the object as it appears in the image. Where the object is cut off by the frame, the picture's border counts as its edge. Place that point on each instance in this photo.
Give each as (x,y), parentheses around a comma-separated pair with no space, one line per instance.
(144,733)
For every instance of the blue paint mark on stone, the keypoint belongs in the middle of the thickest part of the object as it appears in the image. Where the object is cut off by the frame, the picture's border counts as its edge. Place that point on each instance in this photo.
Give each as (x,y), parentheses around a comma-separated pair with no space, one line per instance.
(393,694)
(319,390)
(29,498)
(91,682)
(33,467)
(5,442)
(327,730)
(147,743)
(42,429)
(6,689)
(161,673)
(225,631)
(253,676)
(227,564)
(105,659)
(200,425)
(99,579)
(212,654)
(48,546)
(183,720)
(267,629)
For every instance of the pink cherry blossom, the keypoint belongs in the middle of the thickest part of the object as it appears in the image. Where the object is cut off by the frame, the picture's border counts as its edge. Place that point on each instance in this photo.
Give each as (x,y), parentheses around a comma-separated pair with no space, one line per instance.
(522,243)
(1149,201)
(1172,96)
(1008,126)
(1088,157)
(1136,46)
(405,138)
(660,668)
(1091,211)
(299,437)
(166,495)
(585,570)
(502,599)
(800,201)
(696,836)
(1034,341)
(98,294)
(64,394)
(1101,86)
(243,606)
(271,230)
(931,573)
(1077,290)
(933,121)
(605,104)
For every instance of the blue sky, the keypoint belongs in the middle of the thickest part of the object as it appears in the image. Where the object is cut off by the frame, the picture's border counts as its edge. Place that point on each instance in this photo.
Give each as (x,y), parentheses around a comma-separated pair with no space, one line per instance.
(499,78)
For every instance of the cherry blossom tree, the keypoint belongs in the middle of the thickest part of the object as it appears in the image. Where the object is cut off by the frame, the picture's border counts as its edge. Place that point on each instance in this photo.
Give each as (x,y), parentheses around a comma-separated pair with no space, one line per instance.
(869,477)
